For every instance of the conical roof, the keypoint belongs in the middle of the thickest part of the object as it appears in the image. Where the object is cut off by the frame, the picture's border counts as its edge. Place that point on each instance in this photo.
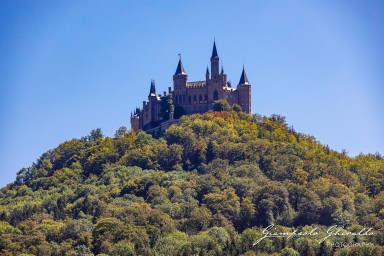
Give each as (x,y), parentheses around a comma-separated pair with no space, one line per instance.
(180,69)
(243,78)
(214,51)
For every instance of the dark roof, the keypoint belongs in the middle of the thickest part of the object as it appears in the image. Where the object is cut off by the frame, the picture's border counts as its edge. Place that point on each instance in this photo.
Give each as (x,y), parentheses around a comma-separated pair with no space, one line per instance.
(222,70)
(214,51)
(207,73)
(180,68)
(243,78)
(152,91)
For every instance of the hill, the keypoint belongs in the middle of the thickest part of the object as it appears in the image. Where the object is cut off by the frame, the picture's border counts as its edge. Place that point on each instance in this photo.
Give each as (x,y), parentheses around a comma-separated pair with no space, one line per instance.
(208,186)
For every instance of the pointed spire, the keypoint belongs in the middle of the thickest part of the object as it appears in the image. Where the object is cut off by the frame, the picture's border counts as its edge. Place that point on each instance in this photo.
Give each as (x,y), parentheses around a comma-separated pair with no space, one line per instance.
(207,72)
(152,91)
(243,78)
(214,51)
(180,68)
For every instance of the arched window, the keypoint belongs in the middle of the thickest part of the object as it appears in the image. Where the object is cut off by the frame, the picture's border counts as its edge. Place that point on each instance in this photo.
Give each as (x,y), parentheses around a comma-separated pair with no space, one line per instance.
(215,95)
(200,98)
(194,98)
(206,98)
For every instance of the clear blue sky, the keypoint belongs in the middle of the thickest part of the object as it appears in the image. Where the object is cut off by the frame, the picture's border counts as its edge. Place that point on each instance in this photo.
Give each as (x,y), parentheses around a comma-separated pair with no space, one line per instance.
(67,67)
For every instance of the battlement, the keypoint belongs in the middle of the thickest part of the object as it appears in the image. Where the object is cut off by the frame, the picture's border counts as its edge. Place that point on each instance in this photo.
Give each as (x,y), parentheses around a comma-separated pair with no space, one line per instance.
(196,84)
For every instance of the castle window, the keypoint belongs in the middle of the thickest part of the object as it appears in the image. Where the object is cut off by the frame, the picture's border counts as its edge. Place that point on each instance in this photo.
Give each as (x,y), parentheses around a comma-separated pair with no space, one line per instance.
(194,98)
(189,99)
(206,98)
(215,95)
(200,98)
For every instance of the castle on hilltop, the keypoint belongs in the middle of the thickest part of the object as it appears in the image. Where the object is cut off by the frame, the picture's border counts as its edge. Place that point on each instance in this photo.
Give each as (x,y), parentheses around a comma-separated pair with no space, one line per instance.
(160,111)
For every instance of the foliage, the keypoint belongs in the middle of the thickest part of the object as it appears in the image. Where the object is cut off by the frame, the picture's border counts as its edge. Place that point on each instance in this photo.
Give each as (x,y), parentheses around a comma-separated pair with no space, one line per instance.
(166,106)
(223,105)
(209,186)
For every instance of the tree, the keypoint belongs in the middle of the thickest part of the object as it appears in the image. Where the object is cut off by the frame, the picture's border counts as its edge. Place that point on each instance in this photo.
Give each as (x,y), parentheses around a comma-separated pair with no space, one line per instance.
(289,252)
(237,108)
(166,106)
(309,207)
(172,244)
(95,135)
(121,132)
(226,203)
(221,105)
(247,213)
(123,248)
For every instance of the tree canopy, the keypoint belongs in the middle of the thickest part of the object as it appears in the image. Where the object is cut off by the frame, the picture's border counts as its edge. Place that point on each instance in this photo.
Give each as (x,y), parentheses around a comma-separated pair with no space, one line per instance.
(209,186)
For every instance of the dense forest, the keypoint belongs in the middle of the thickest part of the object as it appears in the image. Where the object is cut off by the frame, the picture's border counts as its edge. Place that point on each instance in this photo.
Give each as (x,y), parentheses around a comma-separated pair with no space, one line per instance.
(208,186)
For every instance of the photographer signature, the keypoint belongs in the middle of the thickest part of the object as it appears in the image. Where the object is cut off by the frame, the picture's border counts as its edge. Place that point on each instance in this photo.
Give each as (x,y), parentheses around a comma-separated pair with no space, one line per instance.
(271,232)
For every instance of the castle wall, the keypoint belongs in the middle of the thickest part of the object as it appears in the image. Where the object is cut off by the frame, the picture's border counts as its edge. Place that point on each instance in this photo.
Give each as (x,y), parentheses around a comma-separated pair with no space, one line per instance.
(196,98)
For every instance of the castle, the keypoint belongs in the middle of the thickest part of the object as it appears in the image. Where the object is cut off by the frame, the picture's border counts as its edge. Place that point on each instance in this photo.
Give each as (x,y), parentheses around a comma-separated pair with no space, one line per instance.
(160,111)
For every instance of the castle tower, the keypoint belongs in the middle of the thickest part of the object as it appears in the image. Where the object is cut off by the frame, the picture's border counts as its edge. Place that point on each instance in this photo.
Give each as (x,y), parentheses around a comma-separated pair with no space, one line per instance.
(244,92)
(152,90)
(214,62)
(207,75)
(180,79)
(223,76)
(135,120)
(153,103)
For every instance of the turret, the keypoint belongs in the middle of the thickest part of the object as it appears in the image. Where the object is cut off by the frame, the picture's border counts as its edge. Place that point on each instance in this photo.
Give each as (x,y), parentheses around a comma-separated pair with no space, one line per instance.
(135,120)
(152,90)
(243,78)
(207,75)
(223,76)
(244,92)
(214,62)
(180,77)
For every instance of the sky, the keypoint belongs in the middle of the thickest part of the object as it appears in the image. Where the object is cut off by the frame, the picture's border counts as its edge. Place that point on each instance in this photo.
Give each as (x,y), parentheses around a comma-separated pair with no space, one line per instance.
(67,67)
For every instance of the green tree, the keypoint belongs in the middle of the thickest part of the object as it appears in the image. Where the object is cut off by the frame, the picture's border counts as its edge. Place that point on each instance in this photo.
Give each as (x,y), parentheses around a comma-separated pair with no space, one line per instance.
(166,106)
(95,135)
(226,203)
(236,108)
(289,252)
(221,105)
(122,248)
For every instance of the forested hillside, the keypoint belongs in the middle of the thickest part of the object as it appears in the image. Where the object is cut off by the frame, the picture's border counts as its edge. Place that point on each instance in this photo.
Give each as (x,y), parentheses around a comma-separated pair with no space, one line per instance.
(208,186)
